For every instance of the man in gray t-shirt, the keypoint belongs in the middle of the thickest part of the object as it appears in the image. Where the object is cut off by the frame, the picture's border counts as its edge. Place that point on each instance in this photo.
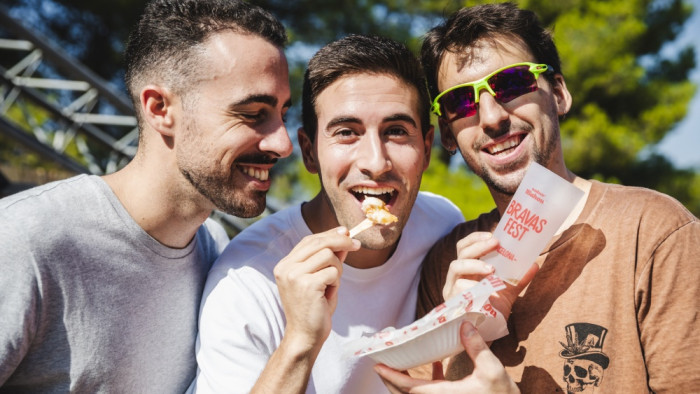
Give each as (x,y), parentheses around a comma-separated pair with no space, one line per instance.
(102,276)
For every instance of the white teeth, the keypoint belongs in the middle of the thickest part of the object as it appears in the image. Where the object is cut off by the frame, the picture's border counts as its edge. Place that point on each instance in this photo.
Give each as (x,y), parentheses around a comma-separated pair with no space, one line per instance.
(257,173)
(373,190)
(507,144)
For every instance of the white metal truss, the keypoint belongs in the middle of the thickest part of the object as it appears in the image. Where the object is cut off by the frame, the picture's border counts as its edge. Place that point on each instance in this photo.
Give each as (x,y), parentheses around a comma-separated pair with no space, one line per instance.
(55,106)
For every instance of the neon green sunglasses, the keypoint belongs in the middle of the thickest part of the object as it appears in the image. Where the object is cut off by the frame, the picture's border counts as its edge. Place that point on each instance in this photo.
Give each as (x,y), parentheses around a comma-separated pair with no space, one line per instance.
(505,84)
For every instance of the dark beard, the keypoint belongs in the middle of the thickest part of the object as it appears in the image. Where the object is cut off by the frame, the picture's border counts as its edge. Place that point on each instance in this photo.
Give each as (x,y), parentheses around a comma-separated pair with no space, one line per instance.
(230,202)
(541,157)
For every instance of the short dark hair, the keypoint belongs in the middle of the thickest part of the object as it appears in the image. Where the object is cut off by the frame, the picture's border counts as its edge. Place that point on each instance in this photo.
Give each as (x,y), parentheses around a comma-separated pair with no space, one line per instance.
(359,54)
(165,42)
(468,25)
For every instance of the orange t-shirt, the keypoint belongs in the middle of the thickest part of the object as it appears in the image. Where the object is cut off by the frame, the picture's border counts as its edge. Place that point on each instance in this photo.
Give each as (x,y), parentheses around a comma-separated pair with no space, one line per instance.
(614,307)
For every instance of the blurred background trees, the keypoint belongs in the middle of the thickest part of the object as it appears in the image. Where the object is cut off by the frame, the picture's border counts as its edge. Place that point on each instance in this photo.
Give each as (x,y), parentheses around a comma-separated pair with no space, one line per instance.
(627,96)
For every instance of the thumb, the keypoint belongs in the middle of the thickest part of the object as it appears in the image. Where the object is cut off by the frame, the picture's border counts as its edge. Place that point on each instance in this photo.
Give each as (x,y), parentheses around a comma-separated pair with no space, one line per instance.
(527,278)
(477,349)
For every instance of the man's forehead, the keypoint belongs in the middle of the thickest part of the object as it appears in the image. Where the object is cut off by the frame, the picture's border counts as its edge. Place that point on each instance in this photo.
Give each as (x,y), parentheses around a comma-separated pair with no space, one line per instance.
(482,51)
(364,88)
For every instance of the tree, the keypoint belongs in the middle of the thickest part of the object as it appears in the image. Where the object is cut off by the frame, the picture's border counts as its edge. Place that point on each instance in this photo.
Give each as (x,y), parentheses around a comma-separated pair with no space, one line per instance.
(626,96)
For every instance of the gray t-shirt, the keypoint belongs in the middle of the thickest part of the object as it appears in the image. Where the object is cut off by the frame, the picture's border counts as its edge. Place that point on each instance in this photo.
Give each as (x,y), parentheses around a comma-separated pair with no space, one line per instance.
(89,302)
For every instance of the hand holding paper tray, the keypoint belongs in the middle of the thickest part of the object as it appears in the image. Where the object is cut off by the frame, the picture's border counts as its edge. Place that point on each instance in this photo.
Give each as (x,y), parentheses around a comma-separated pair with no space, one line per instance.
(432,337)
(539,207)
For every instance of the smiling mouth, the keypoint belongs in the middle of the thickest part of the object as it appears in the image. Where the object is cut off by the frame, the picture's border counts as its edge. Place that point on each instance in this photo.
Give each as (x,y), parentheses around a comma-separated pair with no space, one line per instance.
(385,194)
(505,147)
(255,172)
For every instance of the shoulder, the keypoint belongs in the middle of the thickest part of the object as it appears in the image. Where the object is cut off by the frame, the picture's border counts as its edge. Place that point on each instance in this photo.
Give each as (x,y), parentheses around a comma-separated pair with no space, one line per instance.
(52,195)
(650,208)
(656,224)
(432,205)
(213,233)
(51,211)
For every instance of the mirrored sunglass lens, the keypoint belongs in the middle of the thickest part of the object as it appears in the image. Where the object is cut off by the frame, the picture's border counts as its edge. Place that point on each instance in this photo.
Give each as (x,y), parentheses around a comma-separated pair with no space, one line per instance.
(513,82)
(458,103)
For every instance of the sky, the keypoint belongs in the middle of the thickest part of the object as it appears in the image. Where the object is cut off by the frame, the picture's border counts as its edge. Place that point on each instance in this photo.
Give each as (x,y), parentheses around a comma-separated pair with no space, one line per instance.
(682,144)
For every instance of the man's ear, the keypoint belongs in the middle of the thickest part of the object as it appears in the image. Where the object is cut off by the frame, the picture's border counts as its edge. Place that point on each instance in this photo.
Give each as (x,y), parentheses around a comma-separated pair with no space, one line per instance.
(447,138)
(307,151)
(157,110)
(562,97)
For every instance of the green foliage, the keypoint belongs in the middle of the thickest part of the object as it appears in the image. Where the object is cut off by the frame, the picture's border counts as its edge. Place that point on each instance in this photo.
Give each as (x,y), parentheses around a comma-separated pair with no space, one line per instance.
(294,183)
(626,96)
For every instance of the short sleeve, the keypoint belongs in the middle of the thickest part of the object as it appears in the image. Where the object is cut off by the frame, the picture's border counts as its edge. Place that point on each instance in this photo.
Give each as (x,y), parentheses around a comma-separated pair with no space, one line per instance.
(19,299)
(668,301)
(238,331)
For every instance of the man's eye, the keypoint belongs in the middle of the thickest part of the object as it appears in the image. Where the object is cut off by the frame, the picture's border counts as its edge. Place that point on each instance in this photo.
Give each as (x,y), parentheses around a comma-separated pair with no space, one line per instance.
(396,131)
(344,133)
(253,117)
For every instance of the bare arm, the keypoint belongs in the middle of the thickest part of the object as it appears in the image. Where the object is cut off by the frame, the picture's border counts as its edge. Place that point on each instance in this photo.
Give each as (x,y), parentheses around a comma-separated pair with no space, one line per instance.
(308,280)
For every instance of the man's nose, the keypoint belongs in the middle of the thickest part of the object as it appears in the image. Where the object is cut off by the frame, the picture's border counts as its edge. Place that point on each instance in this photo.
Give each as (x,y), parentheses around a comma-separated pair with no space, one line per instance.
(277,142)
(372,156)
(491,112)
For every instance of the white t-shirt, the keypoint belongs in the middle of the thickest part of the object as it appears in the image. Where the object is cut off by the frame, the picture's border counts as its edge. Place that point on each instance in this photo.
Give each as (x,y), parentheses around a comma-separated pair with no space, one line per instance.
(242,321)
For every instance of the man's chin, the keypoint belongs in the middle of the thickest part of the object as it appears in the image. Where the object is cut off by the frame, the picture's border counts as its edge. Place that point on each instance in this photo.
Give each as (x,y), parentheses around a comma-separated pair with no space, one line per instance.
(376,239)
(247,207)
(505,183)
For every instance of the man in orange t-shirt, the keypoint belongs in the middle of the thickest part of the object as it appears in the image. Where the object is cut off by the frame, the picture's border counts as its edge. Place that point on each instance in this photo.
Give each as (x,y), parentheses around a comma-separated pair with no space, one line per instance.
(614,305)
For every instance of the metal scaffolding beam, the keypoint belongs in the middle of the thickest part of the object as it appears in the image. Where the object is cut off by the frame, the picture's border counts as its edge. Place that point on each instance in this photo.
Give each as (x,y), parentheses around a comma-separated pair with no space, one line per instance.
(52,104)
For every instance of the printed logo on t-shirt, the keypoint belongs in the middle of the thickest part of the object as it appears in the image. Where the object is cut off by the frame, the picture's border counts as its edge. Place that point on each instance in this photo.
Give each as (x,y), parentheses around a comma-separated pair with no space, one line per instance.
(585,360)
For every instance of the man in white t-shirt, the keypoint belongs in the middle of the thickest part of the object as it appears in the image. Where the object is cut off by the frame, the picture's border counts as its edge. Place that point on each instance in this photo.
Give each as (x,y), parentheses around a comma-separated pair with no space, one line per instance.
(290,291)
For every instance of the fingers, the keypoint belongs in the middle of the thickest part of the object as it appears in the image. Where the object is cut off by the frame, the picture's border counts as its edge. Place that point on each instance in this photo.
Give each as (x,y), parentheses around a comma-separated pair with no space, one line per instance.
(464,274)
(527,278)
(317,252)
(466,270)
(476,245)
(396,381)
(308,279)
(336,239)
(472,269)
(477,349)
(504,299)
(488,375)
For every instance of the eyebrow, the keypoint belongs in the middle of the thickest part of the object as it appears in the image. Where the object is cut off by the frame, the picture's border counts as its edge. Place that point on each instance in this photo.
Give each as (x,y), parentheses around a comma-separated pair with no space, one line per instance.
(342,120)
(260,98)
(391,118)
(401,117)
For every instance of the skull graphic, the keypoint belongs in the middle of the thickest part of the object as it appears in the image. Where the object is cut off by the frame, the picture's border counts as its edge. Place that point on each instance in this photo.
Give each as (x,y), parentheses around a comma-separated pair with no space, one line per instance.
(580,375)
(585,360)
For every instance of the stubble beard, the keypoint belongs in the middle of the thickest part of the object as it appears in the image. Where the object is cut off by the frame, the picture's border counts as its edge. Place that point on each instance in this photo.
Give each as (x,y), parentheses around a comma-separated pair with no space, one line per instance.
(507,184)
(216,184)
(225,196)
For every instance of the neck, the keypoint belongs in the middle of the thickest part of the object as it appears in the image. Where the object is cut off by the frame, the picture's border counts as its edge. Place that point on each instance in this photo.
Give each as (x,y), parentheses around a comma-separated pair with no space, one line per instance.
(158,203)
(319,216)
